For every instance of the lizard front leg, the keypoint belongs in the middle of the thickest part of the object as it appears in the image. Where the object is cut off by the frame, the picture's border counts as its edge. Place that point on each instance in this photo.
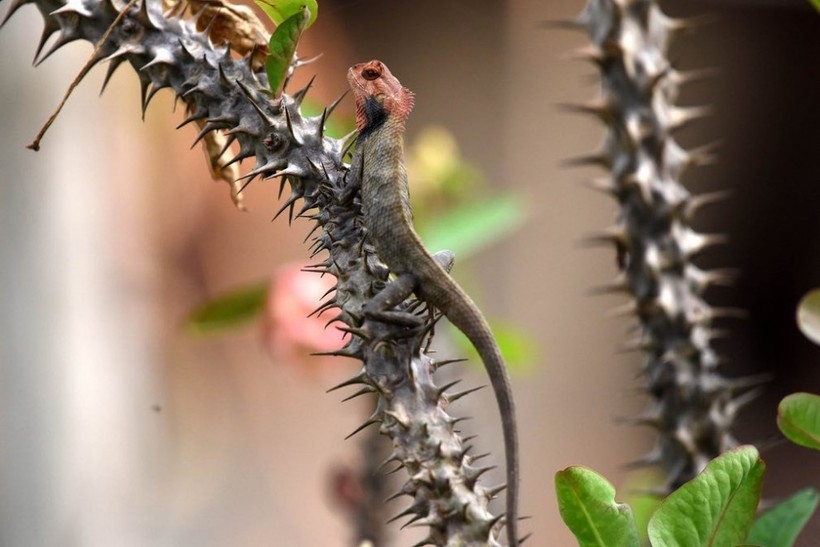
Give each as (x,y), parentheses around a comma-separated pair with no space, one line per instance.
(382,306)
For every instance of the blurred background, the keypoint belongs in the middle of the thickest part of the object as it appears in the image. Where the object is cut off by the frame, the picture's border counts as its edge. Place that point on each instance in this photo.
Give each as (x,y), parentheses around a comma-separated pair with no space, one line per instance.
(119,426)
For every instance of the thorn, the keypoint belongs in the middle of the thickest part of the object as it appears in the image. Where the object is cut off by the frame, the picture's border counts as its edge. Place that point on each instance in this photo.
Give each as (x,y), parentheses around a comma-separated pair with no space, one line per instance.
(619,285)
(723,277)
(154,89)
(691,242)
(145,83)
(690,76)
(600,109)
(396,470)
(598,159)
(443,363)
(589,53)
(229,140)
(750,381)
(289,123)
(494,491)
(455,421)
(630,308)
(637,344)
(245,185)
(113,65)
(360,378)
(736,313)
(702,156)
(241,155)
(691,23)
(612,235)
(363,391)
(15,5)
(186,52)
(472,476)
(418,520)
(323,307)
(742,400)
(680,116)
(572,23)
(209,27)
(299,96)
(426,541)
(78,9)
(258,171)
(701,200)
(248,95)
(453,397)
(198,115)
(447,386)
(287,205)
(64,38)
(652,458)
(602,184)
(162,57)
(335,103)
(50,27)
(396,496)
(390,459)
(207,128)
(770,443)
(336,353)
(142,14)
(368,423)
(350,144)
(322,120)
(409,511)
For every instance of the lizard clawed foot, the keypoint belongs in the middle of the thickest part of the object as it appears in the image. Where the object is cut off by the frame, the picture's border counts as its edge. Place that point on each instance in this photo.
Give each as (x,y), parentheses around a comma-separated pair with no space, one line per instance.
(401,318)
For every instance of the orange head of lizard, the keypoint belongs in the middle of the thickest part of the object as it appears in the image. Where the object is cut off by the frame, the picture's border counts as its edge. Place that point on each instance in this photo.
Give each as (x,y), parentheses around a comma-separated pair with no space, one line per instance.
(378,95)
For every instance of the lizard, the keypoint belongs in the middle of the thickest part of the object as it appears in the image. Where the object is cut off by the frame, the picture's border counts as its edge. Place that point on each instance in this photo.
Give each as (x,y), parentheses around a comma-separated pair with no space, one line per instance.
(383,106)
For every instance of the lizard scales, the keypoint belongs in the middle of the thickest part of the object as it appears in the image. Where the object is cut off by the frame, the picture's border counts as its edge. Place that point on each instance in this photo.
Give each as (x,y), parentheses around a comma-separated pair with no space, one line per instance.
(382,108)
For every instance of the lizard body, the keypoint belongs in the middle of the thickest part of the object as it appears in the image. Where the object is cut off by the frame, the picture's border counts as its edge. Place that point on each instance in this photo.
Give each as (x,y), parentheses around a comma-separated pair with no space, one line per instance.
(382,109)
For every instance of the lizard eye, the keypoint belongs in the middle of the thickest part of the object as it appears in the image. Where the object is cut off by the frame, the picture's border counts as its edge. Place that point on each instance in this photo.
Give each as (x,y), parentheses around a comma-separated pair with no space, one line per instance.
(371,74)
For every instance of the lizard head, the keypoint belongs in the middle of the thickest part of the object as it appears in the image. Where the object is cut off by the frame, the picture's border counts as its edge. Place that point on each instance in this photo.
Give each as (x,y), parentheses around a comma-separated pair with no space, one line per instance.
(378,94)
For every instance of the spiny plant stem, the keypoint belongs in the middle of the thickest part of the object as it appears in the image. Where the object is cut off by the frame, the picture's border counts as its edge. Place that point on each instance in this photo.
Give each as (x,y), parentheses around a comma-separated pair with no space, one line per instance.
(229,95)
(692,404)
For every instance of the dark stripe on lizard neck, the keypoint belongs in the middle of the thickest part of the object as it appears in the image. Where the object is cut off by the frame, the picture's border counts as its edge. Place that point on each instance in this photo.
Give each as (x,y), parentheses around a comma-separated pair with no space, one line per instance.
(375,115)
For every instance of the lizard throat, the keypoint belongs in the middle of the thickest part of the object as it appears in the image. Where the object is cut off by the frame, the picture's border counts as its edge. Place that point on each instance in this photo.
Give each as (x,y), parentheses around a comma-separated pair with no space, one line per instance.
(372,113)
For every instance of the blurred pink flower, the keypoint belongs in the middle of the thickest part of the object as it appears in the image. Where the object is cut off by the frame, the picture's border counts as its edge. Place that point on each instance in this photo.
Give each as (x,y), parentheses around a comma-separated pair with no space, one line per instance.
(288,333)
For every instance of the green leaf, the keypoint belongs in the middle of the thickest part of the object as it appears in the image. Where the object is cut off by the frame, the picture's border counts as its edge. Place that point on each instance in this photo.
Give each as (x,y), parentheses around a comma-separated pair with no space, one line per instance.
(816,4)
(780,526)
(282,46)
(229,310)
(475,226)
(808,314)
(716,508)
(280,10)
(798,417)
(517,346)
(587,504)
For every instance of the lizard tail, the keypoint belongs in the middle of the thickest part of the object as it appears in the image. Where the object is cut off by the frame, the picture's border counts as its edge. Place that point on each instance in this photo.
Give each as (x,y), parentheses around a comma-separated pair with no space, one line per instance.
(466,316)
(490,353)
